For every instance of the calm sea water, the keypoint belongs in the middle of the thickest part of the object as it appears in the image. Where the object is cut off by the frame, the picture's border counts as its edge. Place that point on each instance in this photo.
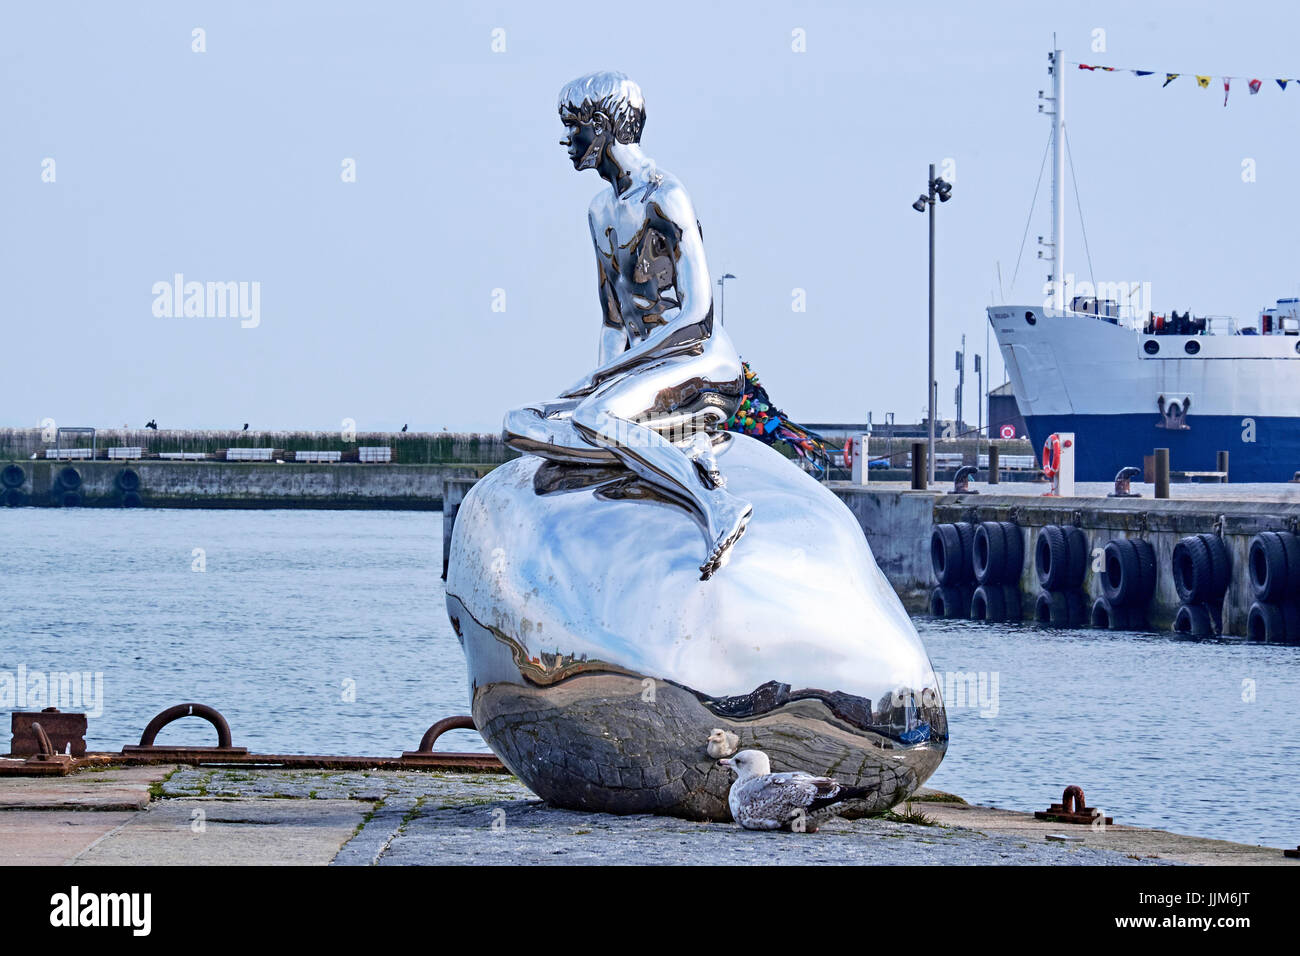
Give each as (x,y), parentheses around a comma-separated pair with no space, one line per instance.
(325,632)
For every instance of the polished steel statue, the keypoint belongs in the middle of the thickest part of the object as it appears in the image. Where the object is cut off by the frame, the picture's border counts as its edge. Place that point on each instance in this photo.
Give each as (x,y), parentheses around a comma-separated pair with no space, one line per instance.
(667,377)
(603,671)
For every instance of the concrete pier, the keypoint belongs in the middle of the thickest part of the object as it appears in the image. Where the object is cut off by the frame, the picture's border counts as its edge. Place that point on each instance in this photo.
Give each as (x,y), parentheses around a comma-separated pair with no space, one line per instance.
(160,815)
(897,524)
(213,484)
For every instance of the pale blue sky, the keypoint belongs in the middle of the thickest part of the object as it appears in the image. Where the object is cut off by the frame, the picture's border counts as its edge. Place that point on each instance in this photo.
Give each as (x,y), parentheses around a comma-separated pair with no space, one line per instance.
(376,295)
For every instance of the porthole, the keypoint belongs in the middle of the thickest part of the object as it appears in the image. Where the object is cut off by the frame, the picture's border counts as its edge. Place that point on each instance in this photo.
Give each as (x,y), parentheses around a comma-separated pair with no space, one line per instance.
(1192,347)
(1151,346)
(1029,317)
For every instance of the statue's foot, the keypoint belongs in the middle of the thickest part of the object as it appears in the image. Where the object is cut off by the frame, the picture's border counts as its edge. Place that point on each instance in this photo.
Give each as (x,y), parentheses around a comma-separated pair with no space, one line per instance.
(700,452)
(730,531)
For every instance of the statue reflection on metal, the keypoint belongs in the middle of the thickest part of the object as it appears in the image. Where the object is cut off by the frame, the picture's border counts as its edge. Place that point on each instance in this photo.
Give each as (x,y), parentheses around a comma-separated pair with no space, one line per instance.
(603,671)
(667,378)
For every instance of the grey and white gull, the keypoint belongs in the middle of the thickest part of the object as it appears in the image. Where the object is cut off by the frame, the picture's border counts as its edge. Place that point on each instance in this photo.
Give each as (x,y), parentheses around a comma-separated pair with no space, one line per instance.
(762,800)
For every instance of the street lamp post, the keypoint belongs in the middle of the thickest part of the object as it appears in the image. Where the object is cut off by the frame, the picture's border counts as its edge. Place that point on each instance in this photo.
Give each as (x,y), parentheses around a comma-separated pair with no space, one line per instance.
(722,297)
(936,188)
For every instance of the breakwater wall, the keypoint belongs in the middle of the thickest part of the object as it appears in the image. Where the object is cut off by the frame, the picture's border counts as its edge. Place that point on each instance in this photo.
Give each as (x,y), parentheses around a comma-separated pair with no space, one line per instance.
(213,484)
(409,448)
(898,527)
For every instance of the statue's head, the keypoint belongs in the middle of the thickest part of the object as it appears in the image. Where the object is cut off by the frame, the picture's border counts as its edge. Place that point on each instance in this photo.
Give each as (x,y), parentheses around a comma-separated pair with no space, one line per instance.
(599,109)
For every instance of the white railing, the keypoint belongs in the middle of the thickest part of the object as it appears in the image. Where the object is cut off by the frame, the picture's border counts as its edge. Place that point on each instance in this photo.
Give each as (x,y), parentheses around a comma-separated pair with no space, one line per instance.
(249,454)
(317,455)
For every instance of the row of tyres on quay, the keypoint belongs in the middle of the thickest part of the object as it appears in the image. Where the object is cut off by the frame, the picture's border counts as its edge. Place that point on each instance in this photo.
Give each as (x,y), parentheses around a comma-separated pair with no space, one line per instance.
(988,571)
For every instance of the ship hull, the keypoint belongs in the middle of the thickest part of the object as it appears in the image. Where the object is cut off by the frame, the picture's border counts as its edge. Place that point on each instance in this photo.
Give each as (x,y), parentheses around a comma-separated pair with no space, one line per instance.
(1111,385)
(1113,442)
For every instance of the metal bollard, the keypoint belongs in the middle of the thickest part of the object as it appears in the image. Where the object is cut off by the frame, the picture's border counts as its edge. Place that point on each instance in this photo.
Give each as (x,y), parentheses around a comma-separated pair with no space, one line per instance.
(1162,472)
(1221,464)
(919,471)
(993,464)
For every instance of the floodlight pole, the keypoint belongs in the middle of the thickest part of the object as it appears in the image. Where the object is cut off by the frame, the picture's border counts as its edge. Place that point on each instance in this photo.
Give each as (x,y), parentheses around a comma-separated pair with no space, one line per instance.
(930,377)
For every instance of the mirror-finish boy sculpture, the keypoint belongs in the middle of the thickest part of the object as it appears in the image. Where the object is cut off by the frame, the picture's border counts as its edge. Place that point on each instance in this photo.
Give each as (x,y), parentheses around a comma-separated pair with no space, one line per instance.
(668,376)
(603,655)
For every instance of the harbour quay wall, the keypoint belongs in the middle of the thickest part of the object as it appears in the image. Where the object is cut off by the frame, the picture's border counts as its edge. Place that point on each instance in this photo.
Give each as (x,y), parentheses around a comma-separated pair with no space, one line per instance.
(214,484)
(897,524)
(409,448)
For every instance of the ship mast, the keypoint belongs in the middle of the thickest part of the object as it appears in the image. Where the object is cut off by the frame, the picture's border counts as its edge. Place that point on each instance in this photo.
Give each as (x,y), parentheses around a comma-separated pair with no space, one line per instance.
(1056,278)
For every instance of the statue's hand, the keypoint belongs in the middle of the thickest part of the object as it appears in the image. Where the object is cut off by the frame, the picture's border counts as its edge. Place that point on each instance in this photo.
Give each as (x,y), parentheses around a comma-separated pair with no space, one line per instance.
(584,386)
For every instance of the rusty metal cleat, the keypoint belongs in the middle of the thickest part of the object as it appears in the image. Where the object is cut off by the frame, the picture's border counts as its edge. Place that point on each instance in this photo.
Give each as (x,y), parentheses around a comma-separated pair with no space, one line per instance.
(1072,809)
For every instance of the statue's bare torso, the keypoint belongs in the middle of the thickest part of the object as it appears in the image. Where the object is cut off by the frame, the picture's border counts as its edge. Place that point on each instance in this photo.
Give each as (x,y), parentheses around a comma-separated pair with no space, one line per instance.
(666,379)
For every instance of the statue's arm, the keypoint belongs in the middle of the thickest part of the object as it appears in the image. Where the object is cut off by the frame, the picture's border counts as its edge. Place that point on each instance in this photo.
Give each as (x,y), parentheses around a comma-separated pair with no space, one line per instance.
(613,335)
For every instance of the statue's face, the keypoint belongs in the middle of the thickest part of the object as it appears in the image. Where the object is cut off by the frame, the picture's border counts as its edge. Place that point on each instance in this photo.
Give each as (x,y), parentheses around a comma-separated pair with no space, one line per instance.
(585,140)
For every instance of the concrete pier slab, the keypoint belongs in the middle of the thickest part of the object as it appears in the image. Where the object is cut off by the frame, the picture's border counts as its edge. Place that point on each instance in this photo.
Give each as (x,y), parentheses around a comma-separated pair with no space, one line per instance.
(119,788)
(205,816)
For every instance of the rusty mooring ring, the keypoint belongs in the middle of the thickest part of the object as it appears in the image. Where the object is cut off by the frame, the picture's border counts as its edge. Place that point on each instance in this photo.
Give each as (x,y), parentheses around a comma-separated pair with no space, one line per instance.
(1076,794)
(209,714)
(440,728)
(45,748)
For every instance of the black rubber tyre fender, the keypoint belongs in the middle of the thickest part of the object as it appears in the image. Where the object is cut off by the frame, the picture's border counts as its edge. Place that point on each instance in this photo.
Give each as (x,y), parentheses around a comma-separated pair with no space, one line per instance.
(13,497)
(1291,545)
(946,557)
(69,478)
(1193,572)
(1193,620)
(1220,566)
(1076,543)
(131,499)
(12,476)
(1014,538)
(1076,605)
(1265,623)
(1121,574)
(949,603)
(128,479)
(1266,562)
(1107,616)
(1051,557)
(1146,554)
(987,604)
(989,553)
(1012,602)
(1291,620)
(1052,608)
(966,534)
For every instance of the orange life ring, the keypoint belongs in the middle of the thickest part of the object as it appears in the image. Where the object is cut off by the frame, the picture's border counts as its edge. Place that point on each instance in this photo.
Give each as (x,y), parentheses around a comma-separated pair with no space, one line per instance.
(848,453)
(1052,456)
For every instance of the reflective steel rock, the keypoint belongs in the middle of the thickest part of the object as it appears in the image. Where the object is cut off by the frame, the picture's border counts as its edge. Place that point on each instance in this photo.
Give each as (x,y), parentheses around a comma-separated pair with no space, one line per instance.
(640,579)
(599,662)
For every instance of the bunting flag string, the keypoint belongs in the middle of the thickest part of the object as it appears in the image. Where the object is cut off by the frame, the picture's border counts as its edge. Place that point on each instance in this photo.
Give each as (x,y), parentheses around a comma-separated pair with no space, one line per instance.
(1202,79)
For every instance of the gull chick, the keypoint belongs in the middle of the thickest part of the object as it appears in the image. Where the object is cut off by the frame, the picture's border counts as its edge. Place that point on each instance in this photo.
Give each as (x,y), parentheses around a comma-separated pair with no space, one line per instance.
(722,743)
(762,800)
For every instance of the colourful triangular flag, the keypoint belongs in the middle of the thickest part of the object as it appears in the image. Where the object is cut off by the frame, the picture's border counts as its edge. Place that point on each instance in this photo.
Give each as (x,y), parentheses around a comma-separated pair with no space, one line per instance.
(1203,81)
(1144,72)
(1254,87)
(1085,66)
(1282,83)
(1226,81)
(1169,78)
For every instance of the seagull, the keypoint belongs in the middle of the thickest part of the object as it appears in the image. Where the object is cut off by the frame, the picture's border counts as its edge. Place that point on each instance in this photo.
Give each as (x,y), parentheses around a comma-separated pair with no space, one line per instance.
(403,428)
(245,426)
(722,743)
(762,800)
(152,424)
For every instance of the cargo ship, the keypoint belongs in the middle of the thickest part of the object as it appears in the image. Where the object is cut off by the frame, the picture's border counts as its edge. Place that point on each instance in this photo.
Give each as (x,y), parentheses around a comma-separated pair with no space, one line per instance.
(1126,384)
